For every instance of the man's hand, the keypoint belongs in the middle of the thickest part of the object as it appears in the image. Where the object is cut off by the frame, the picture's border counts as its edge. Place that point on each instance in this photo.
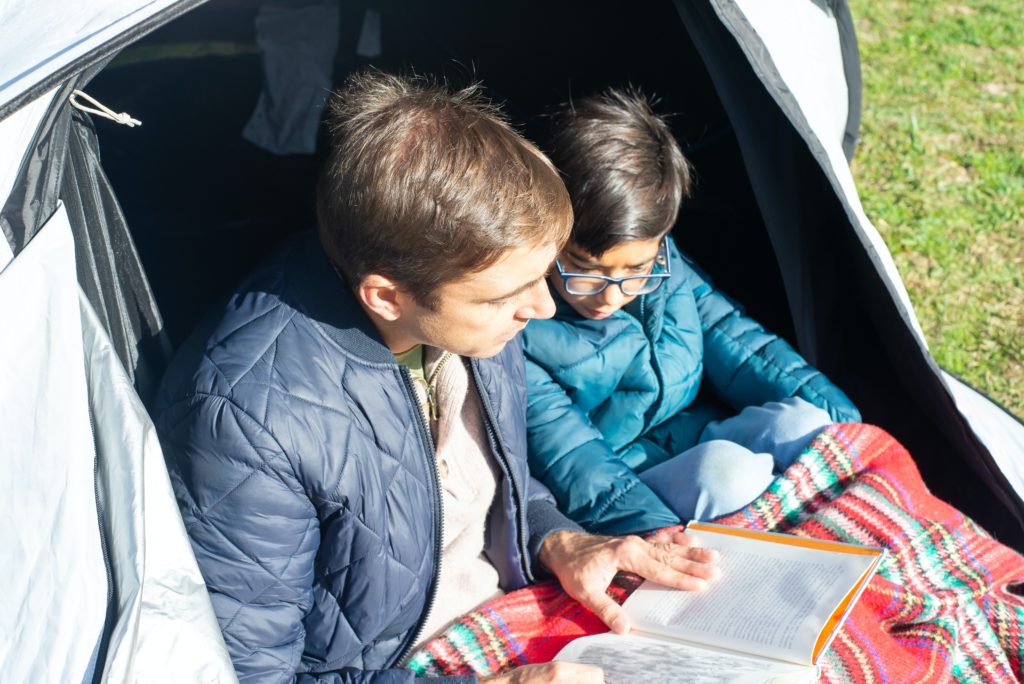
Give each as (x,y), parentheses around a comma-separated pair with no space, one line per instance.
(550,673)
(585,565)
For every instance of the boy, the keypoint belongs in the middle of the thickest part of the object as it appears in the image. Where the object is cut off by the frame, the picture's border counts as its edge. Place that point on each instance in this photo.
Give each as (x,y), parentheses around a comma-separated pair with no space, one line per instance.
(612,376)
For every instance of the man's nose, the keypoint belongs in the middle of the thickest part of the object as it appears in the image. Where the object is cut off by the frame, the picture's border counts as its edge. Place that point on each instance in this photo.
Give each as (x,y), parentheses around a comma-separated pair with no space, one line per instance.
(541,305)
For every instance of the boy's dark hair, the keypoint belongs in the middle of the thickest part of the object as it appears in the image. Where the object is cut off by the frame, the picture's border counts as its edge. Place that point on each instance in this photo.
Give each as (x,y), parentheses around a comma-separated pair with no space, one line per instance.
(625,172)
(424,185)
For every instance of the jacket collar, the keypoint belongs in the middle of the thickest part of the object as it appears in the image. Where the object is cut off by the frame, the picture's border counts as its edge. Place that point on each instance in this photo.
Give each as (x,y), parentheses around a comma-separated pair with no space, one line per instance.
(316,289)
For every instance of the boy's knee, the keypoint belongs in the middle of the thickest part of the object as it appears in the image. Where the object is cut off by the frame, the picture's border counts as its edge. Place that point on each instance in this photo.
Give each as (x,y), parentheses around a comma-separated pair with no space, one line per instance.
(781,428)
(797,416)
(724,466)
(711,479)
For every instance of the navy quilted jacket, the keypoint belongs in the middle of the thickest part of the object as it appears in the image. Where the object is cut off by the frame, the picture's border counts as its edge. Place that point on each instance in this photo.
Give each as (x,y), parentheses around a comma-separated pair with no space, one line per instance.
(306,480)
(611,398)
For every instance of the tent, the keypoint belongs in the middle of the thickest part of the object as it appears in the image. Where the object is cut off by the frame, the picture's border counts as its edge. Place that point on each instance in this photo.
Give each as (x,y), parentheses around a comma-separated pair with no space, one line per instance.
(116,240)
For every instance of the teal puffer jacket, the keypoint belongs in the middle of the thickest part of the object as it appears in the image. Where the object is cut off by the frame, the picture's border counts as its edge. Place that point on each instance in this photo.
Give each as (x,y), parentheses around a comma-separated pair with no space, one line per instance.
(609,399)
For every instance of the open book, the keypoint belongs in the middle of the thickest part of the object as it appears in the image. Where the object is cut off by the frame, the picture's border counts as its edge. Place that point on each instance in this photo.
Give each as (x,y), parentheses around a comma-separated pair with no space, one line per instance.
(768,617)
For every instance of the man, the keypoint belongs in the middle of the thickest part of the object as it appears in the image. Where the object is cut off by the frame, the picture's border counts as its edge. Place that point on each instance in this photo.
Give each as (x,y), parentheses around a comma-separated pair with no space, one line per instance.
(348,442)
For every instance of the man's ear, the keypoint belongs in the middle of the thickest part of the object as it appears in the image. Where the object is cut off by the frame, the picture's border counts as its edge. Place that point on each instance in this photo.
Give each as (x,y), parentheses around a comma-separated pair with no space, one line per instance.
(381,295)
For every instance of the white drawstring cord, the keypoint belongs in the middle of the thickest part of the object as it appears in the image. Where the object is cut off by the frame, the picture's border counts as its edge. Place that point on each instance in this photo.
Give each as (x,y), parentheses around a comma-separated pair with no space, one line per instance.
(102,110)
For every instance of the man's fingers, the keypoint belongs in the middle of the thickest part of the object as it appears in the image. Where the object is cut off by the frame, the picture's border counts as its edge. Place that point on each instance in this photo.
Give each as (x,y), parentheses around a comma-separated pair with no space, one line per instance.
(608,610)
(683,539)
(575,673)
(698,554)
(660,537)
(559,672)
(674,549)
(676,534)
(673,565)
(582,562)
(688,579)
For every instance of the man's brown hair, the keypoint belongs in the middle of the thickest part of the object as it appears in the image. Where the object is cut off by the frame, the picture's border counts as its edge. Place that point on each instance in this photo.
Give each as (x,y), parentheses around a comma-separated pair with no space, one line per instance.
(425,185)
(624,169)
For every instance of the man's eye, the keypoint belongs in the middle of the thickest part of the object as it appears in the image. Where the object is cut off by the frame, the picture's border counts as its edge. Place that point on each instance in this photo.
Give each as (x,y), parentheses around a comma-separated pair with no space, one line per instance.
(502,302)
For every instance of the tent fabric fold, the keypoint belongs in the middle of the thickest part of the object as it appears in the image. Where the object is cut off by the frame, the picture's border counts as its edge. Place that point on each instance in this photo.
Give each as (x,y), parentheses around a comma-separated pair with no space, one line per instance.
(51,531)
(163,626)
(109,269)
(63,164)
(34,196)
(101,576)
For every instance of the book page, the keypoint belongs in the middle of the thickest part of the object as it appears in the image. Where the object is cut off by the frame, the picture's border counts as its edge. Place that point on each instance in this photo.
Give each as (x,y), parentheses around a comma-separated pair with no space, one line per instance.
(636,659)
(773,598)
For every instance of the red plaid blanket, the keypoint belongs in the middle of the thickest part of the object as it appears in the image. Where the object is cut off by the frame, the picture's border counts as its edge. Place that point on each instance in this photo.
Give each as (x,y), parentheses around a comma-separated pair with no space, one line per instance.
(946,604)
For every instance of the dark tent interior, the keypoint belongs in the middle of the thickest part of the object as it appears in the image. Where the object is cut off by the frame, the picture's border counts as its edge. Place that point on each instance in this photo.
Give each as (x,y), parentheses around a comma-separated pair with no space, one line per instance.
(204,205)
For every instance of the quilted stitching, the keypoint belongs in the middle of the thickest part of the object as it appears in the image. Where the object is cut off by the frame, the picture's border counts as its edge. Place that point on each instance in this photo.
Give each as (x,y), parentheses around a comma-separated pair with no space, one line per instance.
(305,487)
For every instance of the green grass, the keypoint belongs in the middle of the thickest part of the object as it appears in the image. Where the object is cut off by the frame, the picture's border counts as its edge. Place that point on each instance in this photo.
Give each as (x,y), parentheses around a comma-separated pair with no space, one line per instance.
(940,170)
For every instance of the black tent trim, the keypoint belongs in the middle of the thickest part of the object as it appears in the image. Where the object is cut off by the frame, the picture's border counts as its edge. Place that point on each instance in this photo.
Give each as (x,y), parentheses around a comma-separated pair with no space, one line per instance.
(760,59)
(851,67)
(62,164)
(34,196)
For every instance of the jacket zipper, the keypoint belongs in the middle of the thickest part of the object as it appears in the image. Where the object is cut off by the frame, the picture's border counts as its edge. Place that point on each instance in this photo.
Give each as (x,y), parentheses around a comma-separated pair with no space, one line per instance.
(431,389)
(655,363)
(517,492)
(428,441)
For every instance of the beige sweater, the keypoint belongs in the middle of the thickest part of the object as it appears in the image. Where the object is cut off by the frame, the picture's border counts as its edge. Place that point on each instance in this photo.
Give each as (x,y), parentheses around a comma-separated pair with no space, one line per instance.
(468,476)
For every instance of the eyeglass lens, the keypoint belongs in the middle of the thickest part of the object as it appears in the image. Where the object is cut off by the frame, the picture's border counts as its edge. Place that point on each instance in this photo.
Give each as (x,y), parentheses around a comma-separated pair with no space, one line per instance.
(581,285)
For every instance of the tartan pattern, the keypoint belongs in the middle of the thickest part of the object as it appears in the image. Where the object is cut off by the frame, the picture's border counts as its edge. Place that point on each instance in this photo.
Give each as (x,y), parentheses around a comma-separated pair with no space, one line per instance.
(945,605)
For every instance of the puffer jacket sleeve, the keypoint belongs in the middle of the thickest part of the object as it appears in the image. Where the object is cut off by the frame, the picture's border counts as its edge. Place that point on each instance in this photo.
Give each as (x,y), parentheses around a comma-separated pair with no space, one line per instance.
(746,365)
(569,455)
(255,534)
(543,518)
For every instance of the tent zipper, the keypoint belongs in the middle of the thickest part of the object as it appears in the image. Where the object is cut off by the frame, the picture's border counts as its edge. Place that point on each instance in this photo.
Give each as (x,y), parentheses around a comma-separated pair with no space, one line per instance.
(428,442)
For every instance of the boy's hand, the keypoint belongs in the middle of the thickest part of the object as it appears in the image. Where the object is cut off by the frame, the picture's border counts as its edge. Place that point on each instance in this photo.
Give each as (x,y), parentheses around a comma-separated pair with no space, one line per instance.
(585,565)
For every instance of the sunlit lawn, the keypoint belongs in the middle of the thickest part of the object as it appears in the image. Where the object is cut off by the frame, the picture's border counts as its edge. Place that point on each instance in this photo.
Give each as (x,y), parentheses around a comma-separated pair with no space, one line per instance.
(940,170)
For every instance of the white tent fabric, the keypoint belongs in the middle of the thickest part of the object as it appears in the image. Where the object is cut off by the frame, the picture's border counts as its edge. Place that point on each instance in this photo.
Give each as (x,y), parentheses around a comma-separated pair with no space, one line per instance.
(50,530)
(997,429)
(65,404)
(43,36)
(166,630)
(809,66)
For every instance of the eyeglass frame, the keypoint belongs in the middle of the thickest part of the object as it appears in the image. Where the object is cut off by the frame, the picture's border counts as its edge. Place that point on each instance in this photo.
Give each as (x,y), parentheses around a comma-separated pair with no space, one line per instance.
(662,258)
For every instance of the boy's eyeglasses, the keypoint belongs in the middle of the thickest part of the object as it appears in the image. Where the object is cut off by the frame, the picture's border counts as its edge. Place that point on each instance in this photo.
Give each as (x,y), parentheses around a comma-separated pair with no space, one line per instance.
(585,285)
